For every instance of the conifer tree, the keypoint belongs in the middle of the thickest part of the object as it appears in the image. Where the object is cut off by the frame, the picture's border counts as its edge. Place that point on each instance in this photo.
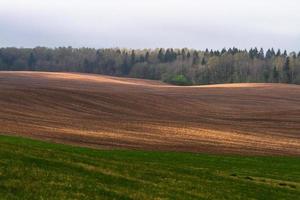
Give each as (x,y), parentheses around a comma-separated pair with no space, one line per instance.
(286,71)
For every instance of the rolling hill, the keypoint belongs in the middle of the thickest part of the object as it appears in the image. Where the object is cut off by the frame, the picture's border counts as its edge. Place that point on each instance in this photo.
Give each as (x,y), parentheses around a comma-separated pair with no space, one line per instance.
(110,112)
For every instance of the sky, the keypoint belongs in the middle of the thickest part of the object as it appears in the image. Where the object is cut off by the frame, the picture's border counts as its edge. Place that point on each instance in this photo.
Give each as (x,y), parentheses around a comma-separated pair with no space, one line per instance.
(197,24)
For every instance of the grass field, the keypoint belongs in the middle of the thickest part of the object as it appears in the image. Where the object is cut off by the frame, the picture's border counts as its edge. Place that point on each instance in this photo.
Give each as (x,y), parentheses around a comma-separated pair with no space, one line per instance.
(32,169)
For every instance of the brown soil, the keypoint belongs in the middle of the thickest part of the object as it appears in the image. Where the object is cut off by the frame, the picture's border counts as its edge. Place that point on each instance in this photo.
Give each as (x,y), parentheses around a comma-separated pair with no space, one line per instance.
(109,112)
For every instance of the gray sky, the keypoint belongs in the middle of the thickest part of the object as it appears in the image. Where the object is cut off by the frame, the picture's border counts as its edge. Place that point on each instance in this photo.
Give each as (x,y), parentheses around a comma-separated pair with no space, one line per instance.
(196,24)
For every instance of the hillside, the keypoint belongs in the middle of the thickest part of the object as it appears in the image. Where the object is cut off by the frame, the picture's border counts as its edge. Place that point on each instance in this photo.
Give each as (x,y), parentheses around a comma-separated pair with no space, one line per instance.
(109,112)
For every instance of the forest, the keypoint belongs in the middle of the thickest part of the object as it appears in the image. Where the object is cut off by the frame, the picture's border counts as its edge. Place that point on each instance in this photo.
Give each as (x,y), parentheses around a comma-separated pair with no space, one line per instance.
(175,66)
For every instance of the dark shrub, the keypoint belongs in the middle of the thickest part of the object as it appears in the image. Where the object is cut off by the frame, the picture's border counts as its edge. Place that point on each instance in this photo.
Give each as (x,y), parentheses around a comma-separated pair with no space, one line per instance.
(178,80)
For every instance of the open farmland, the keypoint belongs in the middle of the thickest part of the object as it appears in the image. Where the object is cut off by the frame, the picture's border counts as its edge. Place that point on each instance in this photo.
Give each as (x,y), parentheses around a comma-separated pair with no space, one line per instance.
(109,112)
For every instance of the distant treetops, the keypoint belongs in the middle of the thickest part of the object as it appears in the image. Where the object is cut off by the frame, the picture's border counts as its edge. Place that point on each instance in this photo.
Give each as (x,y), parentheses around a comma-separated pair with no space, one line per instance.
(176,66)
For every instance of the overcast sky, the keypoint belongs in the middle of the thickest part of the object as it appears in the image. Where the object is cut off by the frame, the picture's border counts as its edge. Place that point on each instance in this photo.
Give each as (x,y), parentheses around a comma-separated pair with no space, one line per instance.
(196,24)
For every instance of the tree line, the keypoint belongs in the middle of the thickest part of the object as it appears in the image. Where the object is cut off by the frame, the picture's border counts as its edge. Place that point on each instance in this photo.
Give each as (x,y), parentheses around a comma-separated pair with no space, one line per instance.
(176,66)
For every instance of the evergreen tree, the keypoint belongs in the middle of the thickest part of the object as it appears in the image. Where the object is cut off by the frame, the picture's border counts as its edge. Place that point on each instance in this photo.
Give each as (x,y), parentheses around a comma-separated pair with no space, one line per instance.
(168,56)
(272,52)
(173,55)
(261,54)
(161,55)
(286,71)
(255,52)
(206,53)
(251,53)
(126,65)
(132,58)
(147,56)
(223,51)
(195,58)
(188,55)
(269,54)
(183,54)
(234,50)
(278,53)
